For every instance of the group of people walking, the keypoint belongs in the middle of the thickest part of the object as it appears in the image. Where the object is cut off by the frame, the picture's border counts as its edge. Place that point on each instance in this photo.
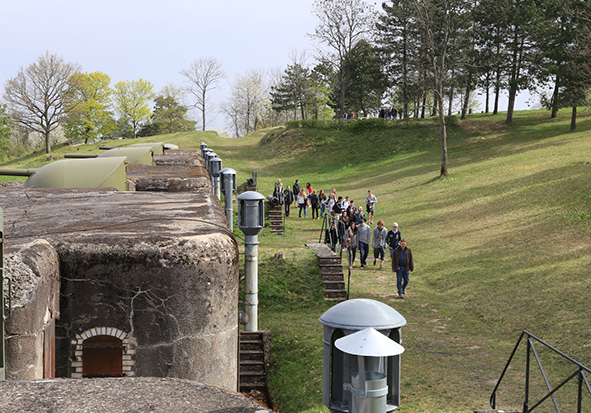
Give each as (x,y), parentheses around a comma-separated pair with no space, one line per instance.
(349,228)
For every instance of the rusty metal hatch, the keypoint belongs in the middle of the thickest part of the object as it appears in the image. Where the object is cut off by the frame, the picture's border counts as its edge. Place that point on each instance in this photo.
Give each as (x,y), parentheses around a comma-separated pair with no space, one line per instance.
(102,356)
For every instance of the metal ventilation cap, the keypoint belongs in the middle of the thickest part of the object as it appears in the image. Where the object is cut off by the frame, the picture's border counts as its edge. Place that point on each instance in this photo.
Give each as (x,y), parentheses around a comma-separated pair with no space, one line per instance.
(370,343)
(362,313)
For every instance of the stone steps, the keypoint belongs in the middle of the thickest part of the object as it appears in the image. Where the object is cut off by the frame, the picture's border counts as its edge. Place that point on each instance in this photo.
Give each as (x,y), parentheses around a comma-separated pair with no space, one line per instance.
(254,361)
(331,271)
(276,219)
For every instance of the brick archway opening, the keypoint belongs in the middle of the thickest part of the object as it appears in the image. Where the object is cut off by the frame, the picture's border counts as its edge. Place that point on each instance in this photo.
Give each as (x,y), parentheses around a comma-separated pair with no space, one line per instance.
(103,352)
(102,356)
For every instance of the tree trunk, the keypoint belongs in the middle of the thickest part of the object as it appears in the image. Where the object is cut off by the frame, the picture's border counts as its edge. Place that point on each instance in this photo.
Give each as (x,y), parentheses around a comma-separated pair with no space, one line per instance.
(467,96)
(573,118)
(555,100)
(424,104)
(203,112)
(47,142)
(442,139)
(451,92)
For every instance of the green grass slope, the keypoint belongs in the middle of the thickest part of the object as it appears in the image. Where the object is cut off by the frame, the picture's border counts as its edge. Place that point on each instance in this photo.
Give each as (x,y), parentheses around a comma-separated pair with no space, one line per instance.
(501,245)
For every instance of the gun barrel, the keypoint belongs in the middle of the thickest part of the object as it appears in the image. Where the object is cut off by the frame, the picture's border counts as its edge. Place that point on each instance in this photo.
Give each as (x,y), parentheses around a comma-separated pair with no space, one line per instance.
(80,155)
(17,172)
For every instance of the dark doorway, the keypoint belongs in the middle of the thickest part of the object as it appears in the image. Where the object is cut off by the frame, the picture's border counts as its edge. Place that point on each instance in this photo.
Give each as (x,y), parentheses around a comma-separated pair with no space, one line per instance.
(102,356)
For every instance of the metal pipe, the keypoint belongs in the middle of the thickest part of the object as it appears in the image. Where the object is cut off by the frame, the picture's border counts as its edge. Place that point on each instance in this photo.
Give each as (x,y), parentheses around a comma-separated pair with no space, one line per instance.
(251,281)
(80,155)
(228,201)
(17,172)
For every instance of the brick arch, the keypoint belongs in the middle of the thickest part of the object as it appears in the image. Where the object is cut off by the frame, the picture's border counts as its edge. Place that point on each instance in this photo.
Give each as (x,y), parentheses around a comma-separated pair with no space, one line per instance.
(128,356)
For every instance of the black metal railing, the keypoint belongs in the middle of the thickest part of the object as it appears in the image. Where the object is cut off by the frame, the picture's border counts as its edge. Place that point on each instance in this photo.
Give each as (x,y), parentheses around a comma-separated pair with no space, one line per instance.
(579,373)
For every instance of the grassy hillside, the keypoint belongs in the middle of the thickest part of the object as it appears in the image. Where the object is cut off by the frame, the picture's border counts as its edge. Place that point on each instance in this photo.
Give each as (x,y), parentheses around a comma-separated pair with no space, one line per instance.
(501,245)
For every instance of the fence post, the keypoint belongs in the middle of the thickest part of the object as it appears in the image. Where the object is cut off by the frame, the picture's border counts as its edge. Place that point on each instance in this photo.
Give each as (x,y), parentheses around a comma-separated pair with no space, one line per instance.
(526,401)
(580,392)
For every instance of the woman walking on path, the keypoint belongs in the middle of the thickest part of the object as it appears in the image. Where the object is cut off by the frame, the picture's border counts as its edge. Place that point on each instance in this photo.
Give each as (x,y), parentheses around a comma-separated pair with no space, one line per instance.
(353,243)
(322,197)
(302,199)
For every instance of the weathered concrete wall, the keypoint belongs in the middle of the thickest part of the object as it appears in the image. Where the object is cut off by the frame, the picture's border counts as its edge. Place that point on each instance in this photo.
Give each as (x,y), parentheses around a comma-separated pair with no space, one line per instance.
(34,269)
(162,267)
(175,171)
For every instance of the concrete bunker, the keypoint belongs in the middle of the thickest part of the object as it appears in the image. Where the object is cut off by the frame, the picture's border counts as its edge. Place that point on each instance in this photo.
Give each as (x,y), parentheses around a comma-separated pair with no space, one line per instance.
(149,276)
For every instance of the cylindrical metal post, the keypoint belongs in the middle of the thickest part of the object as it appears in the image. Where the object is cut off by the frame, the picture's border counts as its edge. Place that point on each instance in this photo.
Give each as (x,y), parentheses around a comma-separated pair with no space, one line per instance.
(228,190)
(251,281)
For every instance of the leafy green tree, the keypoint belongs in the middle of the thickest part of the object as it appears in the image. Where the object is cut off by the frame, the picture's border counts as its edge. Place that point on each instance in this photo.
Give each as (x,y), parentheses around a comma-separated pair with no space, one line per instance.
(294,92)
(90,98)
(398,40)
(367,82)
(168,117)
(342,24)
(132,102)
(39,94)
(5,129)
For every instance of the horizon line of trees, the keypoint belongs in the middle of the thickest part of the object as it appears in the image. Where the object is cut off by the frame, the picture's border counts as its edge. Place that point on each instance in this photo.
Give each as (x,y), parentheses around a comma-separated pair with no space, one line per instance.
(422,57)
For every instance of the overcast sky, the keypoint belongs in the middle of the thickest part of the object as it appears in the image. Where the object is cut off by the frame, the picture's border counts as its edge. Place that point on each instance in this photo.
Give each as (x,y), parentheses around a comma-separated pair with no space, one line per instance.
(153,40)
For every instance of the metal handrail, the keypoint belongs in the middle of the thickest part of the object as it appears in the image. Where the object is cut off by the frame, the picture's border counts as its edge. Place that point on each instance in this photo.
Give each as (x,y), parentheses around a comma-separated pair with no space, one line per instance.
(579,373)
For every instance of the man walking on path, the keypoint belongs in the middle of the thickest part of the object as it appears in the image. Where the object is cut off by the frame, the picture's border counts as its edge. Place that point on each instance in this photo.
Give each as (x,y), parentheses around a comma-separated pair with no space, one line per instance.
(402,263)
(370,201)
(393,238)
(296,188)
(288,200)
(379,243)
(364,237)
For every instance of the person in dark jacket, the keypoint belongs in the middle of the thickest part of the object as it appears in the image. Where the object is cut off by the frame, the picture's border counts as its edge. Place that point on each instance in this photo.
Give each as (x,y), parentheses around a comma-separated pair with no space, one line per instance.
(287,199)
(314,203)
(331,237)
(393,238)
(402,263)
(296,188)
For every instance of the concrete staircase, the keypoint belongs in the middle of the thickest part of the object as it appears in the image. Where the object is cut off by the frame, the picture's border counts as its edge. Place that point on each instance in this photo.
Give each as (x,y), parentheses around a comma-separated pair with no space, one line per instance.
(331,271)
(255,352)
(276,219)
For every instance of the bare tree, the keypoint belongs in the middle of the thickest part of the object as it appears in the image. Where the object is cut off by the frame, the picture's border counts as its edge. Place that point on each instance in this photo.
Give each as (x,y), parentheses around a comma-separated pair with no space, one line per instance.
(249,102)
(343,23)
(440,21)
(39,93)
(203,76)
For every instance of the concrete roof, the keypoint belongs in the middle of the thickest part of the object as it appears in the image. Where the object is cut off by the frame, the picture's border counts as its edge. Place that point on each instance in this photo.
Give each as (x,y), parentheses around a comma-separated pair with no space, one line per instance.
(132,395)
(105,216)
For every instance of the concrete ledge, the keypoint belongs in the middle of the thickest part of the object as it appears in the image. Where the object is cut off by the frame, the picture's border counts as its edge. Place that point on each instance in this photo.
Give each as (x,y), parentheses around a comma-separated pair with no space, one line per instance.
(147,394)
